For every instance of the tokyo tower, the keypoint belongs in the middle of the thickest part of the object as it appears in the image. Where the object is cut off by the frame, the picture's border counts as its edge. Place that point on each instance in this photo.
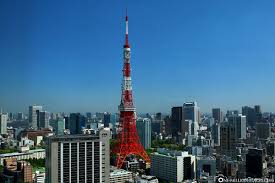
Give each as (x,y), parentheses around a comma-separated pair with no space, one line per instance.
(128,139)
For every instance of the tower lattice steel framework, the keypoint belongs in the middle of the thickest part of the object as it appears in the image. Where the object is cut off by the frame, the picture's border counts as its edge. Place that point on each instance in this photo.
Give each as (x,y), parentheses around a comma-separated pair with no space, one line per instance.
(128,139)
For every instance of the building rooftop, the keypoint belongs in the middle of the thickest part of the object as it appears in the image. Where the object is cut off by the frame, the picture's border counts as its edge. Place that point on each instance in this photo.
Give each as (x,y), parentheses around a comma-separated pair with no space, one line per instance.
(206,158)
(116,172)
(170,153)
(20,154)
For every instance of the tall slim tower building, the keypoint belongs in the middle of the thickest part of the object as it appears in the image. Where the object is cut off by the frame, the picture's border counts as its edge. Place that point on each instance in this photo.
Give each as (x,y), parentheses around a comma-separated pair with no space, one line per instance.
(144,131)
(128,139)
(3,123)
(217,115)
(43,120)
(176,121)
(228,139)
(34,116)
(190,111)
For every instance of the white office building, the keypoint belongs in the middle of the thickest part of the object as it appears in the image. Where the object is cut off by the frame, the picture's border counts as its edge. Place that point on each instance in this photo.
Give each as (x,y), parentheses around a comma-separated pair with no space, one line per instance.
(3,123)
(174,166)
(120,175)
(78,158)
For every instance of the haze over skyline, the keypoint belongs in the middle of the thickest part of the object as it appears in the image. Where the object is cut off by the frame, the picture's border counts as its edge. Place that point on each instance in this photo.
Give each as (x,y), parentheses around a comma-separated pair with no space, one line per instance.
(67,56)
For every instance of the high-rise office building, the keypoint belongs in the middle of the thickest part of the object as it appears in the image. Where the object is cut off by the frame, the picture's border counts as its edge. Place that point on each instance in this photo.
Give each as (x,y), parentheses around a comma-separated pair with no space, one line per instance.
(107,119)
(158,116)
(113,119)
(167,122)
(144,132)
(216,133)
(33,116)
(254,163)
(190,111)
(228,139)
(252,115)
(59,126)
(217,115)
(76,123)
(89,115)
(43,119)
(10,116)
(78,158)
(258,112)
(239,122)
(189,128)
(20,116)
(67,122)
(176,120)
(210,122)
(263,130)
(3,123)
(232,112)
(156,126)
(194,128)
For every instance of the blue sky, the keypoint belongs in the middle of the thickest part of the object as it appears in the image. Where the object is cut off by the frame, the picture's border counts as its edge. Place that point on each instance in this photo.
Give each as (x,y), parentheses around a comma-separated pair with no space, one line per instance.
(67,55)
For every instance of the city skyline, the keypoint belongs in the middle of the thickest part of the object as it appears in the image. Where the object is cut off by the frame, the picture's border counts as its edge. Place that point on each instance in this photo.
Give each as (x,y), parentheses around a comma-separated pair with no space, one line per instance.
(70,58)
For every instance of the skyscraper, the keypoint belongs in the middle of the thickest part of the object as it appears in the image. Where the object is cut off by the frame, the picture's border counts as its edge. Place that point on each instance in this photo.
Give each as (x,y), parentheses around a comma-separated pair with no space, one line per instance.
(158,116)
(43,119)
(263,130)
(254,163)
(190,111)
(76,123)
(59,126)
(168,126)
(20,116)
(33,116)
(228,139)
(250,114)
(217,115)
(176,120)
(78,158)
(216,133)
(107,119)
(239,123)
(144,131)
(258,112)
(3,123)
(89,115)
(67,122)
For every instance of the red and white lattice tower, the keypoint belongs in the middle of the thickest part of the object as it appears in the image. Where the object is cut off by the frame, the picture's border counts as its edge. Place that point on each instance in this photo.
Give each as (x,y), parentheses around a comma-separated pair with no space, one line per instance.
(128,139)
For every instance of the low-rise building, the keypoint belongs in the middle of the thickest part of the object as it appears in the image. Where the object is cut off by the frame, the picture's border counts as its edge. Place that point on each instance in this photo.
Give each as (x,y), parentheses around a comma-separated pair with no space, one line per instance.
(146,179)
(120,176)
(36,153)
(16,171)
(206,164)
